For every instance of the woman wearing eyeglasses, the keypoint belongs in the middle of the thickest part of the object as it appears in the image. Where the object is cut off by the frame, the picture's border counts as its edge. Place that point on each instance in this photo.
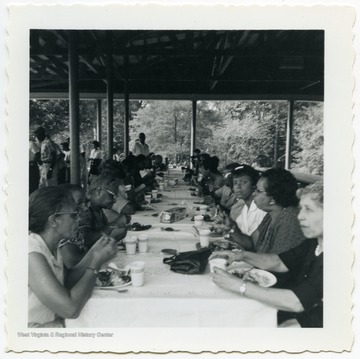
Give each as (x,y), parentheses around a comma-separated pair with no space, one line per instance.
(275,193)
(52,217)
(300,299)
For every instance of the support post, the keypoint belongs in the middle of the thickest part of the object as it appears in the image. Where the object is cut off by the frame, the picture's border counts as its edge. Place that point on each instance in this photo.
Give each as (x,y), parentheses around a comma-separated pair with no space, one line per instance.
(110,94)
(74,108)
(193,129)
(289,131)
(98,121)
(127,120)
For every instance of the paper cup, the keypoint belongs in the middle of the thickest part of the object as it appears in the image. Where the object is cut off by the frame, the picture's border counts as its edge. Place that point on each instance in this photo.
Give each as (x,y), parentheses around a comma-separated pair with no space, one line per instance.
(203,209)
(148,198)
(137,273)
(161,186)
(198,220)
(154,194)
(143,243)
(204,237)
(217,262)
(130,245)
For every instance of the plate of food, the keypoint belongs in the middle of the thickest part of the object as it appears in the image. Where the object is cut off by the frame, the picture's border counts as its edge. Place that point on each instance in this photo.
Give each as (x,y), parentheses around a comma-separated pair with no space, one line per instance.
(253,275)
(220,244)
(111,278)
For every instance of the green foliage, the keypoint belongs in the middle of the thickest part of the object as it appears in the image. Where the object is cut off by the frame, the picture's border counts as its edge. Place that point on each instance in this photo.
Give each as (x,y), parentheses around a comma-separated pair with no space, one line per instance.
(53,115)
(248,129)
(308,137)
(232,130)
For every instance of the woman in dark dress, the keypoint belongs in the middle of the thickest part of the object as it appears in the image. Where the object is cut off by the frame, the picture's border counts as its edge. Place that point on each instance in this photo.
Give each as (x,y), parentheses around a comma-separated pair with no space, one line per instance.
(300,299)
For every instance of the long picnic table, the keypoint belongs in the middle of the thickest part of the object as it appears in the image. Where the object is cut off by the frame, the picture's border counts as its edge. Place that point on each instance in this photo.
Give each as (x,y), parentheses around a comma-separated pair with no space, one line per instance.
(169,299)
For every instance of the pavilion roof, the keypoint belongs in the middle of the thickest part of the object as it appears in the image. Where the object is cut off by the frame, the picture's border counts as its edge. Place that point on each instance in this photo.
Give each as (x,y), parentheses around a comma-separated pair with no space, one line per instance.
(182,64)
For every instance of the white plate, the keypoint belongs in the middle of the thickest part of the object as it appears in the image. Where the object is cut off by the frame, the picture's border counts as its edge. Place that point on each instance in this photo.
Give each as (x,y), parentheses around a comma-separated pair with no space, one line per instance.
(264,278)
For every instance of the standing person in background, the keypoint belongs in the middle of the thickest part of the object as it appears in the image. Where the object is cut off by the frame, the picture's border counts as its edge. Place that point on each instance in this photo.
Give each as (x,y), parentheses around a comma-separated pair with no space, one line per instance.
(195,160)
(140,147)
(34,173)
(50,156)
(66,151)
(83,167)
(95,160)
(116,154)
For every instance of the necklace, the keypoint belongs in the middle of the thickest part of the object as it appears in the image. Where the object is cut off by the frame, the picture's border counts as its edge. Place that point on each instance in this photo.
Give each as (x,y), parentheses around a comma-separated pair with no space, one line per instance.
(318,251)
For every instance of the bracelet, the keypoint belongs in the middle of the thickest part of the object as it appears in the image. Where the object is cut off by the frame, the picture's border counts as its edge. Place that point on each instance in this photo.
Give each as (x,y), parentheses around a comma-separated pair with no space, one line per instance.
(243,288)
(94,270)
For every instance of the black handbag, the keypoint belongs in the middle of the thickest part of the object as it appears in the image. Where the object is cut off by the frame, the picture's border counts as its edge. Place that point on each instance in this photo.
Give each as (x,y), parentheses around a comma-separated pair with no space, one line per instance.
(192,262)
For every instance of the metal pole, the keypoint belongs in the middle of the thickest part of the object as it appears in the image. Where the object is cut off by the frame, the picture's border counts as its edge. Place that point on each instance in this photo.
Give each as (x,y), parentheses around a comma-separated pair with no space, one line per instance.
(98,121)
(193,129)
(127,120)
(289,131)
(74,108)
(110,95)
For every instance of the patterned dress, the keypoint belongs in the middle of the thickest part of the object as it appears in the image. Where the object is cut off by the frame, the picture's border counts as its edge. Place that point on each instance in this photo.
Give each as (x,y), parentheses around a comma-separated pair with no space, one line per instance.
(280,235)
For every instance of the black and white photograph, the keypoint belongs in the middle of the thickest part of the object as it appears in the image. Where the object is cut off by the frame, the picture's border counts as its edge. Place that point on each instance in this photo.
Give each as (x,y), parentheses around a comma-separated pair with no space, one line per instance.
(182,174)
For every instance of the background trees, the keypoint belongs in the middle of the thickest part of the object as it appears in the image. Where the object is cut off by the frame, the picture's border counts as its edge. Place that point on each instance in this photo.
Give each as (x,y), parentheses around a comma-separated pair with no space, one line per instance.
(232,130)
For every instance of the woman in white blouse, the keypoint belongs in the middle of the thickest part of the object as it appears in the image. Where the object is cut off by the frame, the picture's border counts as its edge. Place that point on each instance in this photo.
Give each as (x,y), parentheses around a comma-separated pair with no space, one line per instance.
(245,215)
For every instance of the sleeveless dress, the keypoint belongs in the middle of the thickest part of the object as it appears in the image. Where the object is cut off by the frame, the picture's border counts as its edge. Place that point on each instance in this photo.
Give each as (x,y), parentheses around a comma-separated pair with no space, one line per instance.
(38,314)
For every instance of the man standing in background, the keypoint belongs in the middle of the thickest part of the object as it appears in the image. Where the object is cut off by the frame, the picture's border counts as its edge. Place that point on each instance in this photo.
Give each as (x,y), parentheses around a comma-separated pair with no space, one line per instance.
(140,147)
(50,154)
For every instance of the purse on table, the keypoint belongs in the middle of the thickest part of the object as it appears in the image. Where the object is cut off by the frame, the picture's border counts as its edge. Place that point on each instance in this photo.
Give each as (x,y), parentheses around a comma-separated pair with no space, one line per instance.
(192,262)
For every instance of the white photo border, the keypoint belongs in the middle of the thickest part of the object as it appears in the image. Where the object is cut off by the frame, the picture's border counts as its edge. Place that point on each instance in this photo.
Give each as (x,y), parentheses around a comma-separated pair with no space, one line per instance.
(337,22)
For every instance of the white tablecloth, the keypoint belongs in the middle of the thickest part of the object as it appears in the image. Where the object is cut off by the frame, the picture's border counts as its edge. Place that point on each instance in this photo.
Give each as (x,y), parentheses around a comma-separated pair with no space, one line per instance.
(169,299)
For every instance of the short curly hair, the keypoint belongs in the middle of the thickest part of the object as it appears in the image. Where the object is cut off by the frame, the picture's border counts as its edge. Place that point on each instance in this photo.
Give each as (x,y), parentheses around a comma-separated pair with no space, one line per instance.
(316,190)
(282,186)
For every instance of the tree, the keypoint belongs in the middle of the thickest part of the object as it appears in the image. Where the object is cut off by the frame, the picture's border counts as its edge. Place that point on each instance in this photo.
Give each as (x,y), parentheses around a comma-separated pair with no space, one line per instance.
(308,138)
(235,131)
(53,115)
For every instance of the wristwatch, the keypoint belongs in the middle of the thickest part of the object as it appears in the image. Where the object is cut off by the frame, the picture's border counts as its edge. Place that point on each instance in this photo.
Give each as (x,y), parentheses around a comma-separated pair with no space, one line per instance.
(243,288)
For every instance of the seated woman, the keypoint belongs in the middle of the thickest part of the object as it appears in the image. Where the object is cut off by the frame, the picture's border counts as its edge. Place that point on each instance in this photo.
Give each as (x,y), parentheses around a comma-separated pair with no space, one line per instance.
(224,196)
(122,207)
(245,216)
(102,194)
(300,300)
(275,194)
(74,249)
(158,164)
(53,216)
(212,179)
